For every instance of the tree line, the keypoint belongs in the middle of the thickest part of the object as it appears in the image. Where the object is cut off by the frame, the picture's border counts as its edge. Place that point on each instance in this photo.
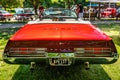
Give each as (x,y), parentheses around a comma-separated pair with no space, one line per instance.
(36,3)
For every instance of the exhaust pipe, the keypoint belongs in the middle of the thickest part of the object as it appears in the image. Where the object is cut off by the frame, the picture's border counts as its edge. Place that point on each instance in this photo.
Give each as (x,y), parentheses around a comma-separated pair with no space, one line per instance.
(32,66)
(86,65)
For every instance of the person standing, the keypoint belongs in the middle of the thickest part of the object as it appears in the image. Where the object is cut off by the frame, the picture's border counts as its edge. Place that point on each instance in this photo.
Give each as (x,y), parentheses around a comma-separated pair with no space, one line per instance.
(81,11)
(41,9)
(77,10)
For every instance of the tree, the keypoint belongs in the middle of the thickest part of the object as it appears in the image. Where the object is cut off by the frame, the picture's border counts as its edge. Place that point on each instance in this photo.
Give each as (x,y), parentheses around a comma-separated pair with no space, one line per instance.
(46,3)
(9,3)
(67,3)
(74,1)
(118,4)
(34,3)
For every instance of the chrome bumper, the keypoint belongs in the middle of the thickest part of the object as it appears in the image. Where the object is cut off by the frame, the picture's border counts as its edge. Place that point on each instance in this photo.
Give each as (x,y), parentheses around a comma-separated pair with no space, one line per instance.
(60,60)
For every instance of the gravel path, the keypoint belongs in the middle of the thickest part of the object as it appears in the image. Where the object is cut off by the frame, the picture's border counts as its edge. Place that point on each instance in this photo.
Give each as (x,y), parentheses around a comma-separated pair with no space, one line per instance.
(104,22)
(13,25)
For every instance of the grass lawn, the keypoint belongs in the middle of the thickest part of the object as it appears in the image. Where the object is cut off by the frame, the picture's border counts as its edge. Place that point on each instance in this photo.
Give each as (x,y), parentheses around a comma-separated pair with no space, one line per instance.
(96,72)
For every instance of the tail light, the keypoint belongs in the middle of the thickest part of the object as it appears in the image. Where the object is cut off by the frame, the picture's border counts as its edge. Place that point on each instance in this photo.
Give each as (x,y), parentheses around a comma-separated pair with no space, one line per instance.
(93,51)
(27,51)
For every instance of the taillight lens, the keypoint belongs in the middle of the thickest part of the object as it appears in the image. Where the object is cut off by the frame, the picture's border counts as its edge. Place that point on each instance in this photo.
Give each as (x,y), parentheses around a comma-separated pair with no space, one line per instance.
(92,51)
(27,51)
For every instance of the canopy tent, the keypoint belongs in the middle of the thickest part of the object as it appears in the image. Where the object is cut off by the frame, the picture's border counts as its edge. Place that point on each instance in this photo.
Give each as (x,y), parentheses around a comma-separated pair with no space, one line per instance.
(105,1)
(102,1)
(93,5)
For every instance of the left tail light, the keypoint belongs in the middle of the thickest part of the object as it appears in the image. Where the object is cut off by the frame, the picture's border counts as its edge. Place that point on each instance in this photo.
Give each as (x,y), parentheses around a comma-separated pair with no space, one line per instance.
(27,51)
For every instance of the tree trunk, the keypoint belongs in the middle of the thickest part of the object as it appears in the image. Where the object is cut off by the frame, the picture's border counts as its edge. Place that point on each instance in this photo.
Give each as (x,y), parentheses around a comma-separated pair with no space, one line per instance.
(74,2)
(5,8)
(67,3)
(35,8)
(99,12)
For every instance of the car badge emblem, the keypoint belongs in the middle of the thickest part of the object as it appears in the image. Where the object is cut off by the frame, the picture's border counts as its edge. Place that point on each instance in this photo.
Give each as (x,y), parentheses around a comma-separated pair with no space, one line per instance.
(60,43)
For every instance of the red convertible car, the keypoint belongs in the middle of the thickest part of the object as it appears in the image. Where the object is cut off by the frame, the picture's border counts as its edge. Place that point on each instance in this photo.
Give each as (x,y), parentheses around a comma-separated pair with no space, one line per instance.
(60,39)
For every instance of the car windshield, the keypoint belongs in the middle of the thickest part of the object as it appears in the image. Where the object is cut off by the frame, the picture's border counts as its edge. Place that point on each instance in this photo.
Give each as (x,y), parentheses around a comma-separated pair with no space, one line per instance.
(29,10)
(60,12)
(24,10)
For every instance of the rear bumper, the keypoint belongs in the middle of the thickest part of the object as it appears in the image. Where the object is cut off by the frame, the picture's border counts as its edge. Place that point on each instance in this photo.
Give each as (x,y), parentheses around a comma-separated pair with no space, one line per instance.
(74,60)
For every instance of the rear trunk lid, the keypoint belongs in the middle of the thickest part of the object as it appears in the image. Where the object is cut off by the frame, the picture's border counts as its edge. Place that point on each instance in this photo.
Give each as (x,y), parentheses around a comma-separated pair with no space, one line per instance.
(59,32)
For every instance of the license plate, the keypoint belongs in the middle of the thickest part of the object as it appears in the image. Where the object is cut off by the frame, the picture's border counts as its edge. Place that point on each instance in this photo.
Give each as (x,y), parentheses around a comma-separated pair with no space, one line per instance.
(59,61)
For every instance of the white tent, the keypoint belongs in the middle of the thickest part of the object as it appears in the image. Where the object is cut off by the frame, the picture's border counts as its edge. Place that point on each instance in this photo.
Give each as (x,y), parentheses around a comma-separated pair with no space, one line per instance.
(105,1)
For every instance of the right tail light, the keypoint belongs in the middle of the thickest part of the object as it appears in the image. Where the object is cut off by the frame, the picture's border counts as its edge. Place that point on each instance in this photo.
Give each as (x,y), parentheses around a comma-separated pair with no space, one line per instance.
(92,51)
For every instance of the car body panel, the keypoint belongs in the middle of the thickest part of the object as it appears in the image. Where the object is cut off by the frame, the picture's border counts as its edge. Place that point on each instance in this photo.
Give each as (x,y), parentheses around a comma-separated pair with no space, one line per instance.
(60,32)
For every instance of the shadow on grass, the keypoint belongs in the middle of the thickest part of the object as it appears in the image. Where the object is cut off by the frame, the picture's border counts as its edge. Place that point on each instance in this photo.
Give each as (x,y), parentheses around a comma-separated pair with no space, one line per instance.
(61,73)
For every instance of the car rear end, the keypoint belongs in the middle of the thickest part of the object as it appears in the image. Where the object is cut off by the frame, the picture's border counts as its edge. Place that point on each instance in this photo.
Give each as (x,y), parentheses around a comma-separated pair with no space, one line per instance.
(69,52)
(59,44)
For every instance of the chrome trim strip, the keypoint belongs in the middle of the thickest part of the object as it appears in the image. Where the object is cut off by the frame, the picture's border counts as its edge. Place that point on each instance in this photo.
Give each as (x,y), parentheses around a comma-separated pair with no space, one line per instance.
(59,22)
(106,60)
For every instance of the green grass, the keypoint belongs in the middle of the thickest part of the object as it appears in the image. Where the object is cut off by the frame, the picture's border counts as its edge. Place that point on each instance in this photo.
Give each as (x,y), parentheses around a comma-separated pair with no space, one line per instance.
(96,72)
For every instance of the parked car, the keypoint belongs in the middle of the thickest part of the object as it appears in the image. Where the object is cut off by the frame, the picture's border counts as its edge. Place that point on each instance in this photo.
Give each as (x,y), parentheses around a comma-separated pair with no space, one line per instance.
(118,14)
(23,14)
(2,17)
(60,39)
(5,15)
(109,12)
